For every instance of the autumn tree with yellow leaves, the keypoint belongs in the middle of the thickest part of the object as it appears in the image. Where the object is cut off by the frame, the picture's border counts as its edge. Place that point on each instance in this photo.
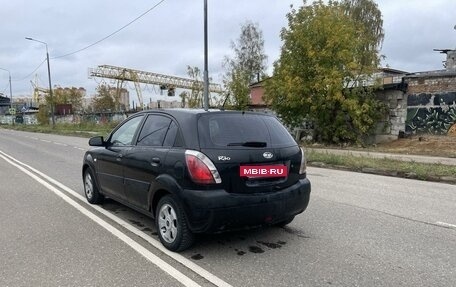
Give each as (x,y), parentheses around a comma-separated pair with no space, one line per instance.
(328,50)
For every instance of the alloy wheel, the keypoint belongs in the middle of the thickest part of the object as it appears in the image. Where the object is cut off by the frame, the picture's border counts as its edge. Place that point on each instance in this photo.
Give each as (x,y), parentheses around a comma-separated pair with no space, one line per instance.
(88,185)
(167,223)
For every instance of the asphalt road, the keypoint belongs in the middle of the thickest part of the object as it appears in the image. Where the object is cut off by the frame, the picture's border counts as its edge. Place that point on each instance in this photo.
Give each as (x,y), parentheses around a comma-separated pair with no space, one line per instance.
(359,230)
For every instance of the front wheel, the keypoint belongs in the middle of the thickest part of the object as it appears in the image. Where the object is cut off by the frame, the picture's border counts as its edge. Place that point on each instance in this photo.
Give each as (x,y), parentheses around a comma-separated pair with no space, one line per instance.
(171,225)
(91,190)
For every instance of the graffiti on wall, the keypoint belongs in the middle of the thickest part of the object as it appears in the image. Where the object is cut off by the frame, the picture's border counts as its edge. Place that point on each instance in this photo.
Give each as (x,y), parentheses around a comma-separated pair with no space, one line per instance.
(431,113)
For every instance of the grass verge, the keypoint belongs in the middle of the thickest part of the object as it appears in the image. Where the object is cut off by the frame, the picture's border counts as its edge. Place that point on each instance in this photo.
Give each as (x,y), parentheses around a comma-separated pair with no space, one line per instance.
(81,130)
(389,167)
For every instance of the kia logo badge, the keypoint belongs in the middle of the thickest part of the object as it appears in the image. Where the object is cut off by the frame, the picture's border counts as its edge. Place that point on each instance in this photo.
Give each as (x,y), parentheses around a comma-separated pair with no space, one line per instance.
(268,155)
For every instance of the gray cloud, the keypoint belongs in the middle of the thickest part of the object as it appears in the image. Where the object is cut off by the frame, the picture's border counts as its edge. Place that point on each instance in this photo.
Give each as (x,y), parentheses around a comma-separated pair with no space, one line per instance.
(171,37)
(413,29)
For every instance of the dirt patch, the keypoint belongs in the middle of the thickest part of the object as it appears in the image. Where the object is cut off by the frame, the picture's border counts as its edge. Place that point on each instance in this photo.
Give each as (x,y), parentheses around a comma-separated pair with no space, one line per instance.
(431,145)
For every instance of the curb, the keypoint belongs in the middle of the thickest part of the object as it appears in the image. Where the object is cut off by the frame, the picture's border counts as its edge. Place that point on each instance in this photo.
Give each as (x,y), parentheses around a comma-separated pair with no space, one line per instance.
(391,173)
(381,155)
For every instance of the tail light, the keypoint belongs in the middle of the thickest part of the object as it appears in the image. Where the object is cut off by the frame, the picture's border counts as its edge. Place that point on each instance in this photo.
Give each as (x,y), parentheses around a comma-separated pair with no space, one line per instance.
(303,168)
(201,168)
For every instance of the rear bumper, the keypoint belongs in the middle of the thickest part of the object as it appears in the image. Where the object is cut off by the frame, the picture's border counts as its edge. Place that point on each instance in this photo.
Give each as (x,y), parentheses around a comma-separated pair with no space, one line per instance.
(218,210)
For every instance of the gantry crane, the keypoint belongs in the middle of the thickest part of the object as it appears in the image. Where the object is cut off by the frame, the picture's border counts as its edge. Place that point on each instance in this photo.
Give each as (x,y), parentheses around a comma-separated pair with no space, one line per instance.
(37,91)
(165,82)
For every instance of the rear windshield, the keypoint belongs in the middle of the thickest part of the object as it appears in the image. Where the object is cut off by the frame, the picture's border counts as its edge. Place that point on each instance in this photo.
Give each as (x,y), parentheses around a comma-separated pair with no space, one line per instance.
(242,130)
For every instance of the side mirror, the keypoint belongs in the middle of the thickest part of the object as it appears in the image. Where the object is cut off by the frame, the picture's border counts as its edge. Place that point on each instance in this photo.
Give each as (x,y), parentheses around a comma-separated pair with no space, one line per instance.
(97,141)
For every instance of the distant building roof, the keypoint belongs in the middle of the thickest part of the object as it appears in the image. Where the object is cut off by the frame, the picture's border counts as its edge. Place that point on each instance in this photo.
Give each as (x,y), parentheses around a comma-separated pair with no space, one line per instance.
(431,74)
(259,83)
(387,70)
(4,101)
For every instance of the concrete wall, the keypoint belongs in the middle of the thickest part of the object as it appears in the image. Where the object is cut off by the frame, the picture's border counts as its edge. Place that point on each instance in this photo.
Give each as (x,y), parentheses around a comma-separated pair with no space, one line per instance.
(394,122)
(31,119)
(27,119)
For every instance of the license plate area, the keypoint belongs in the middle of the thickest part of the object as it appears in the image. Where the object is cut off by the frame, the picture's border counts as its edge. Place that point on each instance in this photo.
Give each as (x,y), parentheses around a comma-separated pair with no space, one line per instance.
(263,171)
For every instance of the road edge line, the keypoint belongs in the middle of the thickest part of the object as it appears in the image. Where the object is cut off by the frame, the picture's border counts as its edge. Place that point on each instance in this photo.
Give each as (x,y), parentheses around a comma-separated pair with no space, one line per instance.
(154,242)
(160,263)
(447,225)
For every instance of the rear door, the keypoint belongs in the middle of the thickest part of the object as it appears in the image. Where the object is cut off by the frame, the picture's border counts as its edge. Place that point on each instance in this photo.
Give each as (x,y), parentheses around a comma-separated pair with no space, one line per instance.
(252,152)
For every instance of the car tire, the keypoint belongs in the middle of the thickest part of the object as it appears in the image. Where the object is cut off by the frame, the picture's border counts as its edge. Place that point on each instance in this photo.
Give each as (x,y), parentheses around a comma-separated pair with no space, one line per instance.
(91,191)
(285,222)
(171,223)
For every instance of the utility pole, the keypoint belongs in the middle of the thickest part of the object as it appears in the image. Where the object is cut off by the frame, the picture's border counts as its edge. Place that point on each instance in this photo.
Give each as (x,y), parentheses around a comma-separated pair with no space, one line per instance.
(10,88)
(206,73)
(49,76)
(11,92)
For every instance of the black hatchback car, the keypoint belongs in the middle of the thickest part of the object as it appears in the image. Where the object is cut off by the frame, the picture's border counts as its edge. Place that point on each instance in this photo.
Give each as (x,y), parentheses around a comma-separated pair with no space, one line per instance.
(198,171)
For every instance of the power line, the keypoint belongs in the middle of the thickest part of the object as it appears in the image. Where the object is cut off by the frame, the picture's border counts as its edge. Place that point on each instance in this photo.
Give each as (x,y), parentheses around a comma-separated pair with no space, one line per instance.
(93,44)
(112,34)
(4,90)
(24,78)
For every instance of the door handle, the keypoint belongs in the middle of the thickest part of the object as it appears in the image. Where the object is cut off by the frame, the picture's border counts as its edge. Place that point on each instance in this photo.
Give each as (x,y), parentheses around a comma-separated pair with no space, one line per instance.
(119,157)
(155,161)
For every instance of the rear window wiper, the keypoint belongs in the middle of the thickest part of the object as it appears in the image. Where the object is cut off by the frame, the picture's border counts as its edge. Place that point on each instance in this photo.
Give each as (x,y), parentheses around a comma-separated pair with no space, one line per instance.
(249,144)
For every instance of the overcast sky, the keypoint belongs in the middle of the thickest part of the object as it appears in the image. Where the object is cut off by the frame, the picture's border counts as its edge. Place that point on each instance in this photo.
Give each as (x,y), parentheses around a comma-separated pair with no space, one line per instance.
(170,37)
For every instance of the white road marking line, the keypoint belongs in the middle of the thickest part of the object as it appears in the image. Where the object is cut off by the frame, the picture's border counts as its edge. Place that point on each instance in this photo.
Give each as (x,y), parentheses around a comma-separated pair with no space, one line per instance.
(177,257)
(46,141)
(33,138)
(444,224)
(78,148)
(57,143)
(116,232)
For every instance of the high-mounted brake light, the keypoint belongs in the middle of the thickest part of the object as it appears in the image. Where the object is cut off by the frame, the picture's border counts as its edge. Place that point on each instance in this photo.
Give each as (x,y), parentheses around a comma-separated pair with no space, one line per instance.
(303,167)
(201,168)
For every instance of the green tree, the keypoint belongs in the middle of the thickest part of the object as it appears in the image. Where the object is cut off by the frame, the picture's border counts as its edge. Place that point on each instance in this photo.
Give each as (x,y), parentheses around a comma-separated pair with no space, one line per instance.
(103,101)
(184,96)
(195,98)
(43,115)
(318,73)
(368,19)
(248,62)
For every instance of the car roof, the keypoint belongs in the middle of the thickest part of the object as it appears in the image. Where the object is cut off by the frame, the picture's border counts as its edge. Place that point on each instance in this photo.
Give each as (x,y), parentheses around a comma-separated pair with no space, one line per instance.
(181,111)
(188,121)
